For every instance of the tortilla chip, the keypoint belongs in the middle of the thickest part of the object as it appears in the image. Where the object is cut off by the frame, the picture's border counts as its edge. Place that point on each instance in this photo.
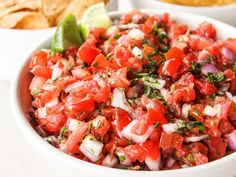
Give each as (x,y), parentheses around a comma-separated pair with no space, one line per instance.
(21,5)
(53,7)
(6,4)
(77,8)
(24,20)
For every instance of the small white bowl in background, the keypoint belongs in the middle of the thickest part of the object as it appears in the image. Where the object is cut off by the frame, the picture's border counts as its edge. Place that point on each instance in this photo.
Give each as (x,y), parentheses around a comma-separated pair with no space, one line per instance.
(225,13)
(20,100)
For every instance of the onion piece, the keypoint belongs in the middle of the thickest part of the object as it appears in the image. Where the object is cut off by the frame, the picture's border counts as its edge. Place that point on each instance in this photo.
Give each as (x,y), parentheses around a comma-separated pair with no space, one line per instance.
(210,111)
(170,128)
(228,53)
(109,161)
(53,102)
(136,34)
(123,158)
(164,93)
(196,138)
(72,124)
(229,96)
(137,52)
(122,39)
(119,100)
(42,112)
(73,86)
(127,133)
(91,148)
(154,83)
(185,110)
(56,72)
(153,164)
(128,26)
(209,68)
(231,140)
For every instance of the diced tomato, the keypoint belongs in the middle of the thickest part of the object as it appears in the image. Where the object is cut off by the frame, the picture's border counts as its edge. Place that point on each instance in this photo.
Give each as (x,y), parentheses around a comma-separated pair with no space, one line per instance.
(140,127)
(99,126)
(121,56)
(217,147)
(205,87)
(118,78)
(152,148)
(224,109)
(155,116)
(37,84)
(135,152)
(174,59)
(98,33)
(135,63)
(121,120)
(81,73)
(177,30)
(76,137)
(41,71)
(75,105)
(225,126)
(55,122)
(200,159)
(152,104)
(229,74)
(207,30)
(71,52)
(88,53)
(101,62)
(196,112)
(198,147)
(173,140)
(38,58)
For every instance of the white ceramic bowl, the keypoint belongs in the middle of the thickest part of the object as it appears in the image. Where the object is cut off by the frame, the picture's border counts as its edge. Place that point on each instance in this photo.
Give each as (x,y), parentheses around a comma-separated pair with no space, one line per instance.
(226,13)
(20,102)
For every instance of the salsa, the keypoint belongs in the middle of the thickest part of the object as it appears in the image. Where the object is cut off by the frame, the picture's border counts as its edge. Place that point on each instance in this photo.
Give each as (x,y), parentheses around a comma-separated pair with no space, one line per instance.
(146,94)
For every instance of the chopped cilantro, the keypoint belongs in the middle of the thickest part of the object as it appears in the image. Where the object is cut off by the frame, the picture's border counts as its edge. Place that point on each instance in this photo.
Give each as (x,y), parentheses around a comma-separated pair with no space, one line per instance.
(190,157)
(109,56)
(193,67)
(214,78)
(197,124)
(35,92)
(117,36)
(157,124)
(234,67)
(95,64)
(208,60)
(83,65)
(122,158)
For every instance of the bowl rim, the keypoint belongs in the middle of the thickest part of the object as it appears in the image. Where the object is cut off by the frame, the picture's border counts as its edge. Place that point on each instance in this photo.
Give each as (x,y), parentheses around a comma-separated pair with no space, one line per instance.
(197,8)
(49,150)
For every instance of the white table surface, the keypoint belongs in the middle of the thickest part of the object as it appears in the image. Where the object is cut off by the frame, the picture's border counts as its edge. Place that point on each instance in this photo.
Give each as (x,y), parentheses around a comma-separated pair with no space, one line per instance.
(17,158)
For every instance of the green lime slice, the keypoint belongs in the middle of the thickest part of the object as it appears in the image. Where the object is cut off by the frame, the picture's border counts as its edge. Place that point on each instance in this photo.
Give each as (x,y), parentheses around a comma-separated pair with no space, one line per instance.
(67,35)
(96,17)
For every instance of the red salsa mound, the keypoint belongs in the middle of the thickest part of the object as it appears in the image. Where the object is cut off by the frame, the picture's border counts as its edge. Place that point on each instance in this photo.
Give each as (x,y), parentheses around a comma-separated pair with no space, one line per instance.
(146,94)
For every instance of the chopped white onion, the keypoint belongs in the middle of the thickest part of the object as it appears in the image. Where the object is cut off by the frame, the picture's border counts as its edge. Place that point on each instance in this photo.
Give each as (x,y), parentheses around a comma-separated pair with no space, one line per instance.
(119,100)
(170,128)
(91,148)
(125,159)
(137,52)
(234,99)
(153,164)
(42,112)
(128,26)
(164,93)
(229,96)
(228,53)
(232,140)
(112,30)
(56,72)
(196,138)
(136,34)
(53,102)
(122,39)
(154,83)
(170,162)
(185,110)
(210,111)
(72,124)
(127,133)
(67,66)
(73,86)
(109,161)
(209,68)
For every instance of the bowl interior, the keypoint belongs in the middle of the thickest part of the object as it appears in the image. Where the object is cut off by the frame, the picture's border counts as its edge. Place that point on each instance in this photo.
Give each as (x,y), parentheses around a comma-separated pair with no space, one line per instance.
(21,99)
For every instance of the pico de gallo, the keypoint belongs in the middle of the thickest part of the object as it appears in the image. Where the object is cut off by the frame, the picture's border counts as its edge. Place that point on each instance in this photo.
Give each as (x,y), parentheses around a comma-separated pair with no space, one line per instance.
(147,93)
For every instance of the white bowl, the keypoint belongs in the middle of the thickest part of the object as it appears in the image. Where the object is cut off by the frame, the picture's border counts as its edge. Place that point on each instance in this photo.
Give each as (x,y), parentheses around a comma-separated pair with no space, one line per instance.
(226,13)
(20,102)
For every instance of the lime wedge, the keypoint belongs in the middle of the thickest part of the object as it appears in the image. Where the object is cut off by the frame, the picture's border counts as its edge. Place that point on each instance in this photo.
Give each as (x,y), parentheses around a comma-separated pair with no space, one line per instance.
(96,17)
(67,35)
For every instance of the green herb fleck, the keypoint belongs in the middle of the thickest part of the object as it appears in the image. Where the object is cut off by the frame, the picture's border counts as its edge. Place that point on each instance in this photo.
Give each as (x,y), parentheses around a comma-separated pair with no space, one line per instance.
(109,56)
(190,157)
(95,64)
(117,36)
(35,92)
(208,60)
(214,78)
(234,67)
(122,158)
(83,65)
(157,124)
(193,67)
